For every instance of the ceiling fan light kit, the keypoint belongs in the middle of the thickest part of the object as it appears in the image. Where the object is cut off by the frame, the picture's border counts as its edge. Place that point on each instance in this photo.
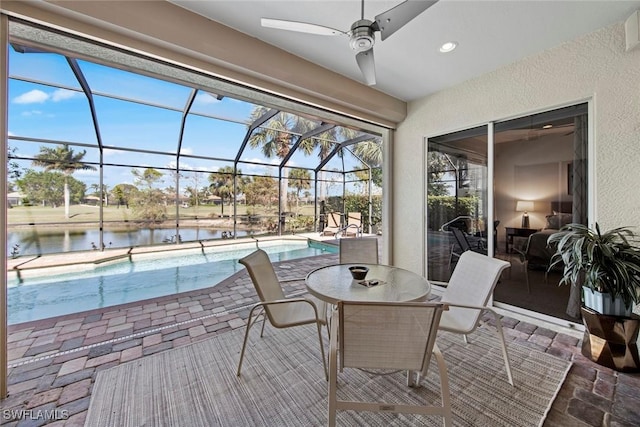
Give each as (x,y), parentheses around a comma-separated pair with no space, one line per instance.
(362,36)
(362,32)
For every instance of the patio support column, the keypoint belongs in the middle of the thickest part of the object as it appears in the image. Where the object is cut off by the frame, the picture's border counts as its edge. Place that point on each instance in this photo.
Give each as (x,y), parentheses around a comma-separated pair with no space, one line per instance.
(4,93)
(387,196)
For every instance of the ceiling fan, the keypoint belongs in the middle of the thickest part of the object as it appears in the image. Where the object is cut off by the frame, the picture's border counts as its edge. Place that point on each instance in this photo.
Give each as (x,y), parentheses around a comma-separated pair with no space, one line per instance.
(362,32)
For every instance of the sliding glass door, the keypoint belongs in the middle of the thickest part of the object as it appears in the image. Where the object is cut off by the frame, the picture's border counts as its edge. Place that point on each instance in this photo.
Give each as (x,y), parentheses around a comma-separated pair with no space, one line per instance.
(539,183)
(456,198)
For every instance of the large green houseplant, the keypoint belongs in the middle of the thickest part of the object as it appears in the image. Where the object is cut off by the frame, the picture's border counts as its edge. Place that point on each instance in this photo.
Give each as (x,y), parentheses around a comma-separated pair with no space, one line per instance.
(605,264)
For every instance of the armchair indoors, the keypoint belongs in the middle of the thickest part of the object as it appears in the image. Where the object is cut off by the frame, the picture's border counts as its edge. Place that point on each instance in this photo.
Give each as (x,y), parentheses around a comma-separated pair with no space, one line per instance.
(468,293)
(281,312)
(396,336)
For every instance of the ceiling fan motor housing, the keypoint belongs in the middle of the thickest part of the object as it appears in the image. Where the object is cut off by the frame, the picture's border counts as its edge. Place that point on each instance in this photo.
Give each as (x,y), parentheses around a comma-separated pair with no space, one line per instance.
(362,36)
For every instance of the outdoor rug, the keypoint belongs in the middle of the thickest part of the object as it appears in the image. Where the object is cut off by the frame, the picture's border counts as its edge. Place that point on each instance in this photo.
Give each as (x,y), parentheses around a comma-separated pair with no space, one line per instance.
(283,384)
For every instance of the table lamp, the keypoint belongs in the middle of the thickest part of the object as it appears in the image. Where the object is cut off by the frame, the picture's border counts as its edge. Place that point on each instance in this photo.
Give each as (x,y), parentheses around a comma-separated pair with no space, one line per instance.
(524,206)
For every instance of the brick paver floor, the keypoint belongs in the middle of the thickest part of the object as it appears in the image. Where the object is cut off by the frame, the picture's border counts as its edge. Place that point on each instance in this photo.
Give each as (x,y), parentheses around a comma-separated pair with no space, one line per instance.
(54,362)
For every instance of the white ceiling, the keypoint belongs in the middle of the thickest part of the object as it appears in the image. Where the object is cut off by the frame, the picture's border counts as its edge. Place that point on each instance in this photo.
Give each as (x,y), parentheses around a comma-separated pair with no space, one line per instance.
(490,34)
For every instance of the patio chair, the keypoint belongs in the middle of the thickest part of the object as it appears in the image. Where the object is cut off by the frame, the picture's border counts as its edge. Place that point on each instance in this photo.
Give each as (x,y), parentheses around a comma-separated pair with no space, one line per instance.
(281,312)
(463,245)
(387,336)
(468,293)
(354,225)
(361,250)
(333,224)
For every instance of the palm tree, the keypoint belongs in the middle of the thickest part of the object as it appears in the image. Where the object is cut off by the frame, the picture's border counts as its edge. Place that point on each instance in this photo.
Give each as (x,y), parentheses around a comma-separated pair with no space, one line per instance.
(63,159)
(222,183)
(300,179)
(276,138)
(103,196)
(370,152)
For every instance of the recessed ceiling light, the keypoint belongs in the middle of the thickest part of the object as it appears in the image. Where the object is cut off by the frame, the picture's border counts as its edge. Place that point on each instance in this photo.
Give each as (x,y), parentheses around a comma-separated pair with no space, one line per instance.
(448,47)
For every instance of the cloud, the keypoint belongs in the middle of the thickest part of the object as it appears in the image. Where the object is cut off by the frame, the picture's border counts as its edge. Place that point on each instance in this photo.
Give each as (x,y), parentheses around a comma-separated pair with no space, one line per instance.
(10,133)
(62,94)
(31,113)
(186,151)
(37,96)
(87,172)
(34,96)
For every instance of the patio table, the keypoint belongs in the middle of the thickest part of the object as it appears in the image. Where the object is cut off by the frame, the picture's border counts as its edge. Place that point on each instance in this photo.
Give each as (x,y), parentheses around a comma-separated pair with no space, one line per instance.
(334,283)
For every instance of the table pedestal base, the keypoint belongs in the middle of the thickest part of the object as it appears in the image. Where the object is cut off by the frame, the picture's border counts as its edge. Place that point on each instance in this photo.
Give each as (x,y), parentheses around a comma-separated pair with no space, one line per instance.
(611,341)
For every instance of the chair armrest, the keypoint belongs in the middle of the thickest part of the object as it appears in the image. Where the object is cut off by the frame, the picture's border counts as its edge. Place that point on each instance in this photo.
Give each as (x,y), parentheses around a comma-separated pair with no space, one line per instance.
(496,316)
(288,301)
(477,307)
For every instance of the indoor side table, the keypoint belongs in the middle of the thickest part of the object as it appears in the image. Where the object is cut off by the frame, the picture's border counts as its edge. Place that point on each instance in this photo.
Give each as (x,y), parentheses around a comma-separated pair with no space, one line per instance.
(512,232)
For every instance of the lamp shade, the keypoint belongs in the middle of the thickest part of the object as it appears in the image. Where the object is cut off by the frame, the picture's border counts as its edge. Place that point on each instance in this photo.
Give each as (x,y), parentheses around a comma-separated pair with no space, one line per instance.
(524,206)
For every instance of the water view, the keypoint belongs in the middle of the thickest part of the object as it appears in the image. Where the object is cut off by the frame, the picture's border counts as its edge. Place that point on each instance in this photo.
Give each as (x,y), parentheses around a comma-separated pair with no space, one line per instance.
(42,241)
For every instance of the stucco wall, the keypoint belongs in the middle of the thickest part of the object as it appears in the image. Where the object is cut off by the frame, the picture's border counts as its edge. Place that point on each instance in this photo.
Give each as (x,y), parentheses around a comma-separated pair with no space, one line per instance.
(594,67)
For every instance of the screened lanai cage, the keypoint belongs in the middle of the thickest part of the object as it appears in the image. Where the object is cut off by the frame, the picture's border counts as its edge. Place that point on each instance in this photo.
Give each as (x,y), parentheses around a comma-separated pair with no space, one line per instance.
(108,149)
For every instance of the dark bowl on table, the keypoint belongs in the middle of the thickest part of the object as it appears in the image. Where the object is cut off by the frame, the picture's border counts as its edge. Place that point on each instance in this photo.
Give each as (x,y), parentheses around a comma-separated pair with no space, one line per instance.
(359,272)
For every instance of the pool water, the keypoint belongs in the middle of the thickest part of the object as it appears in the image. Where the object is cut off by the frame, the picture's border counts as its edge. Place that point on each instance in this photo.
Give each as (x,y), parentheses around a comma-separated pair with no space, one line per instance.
(146,276)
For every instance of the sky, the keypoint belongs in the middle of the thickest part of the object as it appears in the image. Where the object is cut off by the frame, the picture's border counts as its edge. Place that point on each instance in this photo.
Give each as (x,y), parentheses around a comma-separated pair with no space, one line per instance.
(56,109)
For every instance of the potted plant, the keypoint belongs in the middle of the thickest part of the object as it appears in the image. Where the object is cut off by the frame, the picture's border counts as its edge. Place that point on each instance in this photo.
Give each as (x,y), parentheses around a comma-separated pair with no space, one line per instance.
(607,265)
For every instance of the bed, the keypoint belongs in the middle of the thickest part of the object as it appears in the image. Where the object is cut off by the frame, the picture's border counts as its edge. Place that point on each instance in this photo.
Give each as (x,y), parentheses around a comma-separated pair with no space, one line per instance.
(536,253)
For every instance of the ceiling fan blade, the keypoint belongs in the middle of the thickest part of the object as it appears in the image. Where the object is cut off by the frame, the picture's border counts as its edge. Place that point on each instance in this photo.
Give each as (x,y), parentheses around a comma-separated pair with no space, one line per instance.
(301,27)
(395,18)
(367,66)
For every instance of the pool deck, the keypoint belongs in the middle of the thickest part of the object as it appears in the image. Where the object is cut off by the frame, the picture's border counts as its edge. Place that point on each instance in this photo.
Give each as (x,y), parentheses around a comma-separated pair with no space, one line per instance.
(54,362)
(24,264)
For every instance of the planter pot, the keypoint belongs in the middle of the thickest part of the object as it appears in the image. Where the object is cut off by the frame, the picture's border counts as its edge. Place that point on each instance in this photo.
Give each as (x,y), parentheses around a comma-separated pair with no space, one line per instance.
(611,341)
(604,304)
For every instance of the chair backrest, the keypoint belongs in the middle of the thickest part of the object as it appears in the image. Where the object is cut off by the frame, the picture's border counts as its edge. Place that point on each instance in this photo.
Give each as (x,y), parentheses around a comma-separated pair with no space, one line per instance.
(333,220)
(385,335)
(472,283)
(461,239)
(359,250)
(354,218)
(266,282)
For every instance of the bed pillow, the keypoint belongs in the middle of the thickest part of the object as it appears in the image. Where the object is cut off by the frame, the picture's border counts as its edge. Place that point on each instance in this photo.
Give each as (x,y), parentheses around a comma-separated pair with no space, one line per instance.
(558,220)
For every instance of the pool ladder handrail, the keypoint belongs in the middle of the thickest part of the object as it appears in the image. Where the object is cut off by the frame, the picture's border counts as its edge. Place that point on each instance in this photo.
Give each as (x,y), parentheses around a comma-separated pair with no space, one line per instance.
(445,226)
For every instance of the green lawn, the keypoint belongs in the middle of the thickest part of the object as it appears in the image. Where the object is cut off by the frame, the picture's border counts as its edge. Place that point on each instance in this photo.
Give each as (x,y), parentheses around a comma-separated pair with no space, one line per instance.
(84,213)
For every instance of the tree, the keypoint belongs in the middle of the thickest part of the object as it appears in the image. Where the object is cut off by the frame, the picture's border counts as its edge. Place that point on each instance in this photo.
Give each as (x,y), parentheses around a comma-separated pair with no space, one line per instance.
(102,195)
(63,159)
(123,194)
(48,187)
(437,166)
(13,168)
(148,203)
(192,191)
(222,183)
(276,138)
(371,154)
(300,179)
(262,190)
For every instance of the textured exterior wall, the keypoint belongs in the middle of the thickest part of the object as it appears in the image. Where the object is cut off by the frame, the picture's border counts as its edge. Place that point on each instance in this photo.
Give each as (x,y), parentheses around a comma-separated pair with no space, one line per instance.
(594,67)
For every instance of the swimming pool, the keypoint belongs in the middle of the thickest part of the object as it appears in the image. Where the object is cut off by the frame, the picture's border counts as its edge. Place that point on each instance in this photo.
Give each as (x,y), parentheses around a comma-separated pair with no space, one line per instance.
(144,276)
